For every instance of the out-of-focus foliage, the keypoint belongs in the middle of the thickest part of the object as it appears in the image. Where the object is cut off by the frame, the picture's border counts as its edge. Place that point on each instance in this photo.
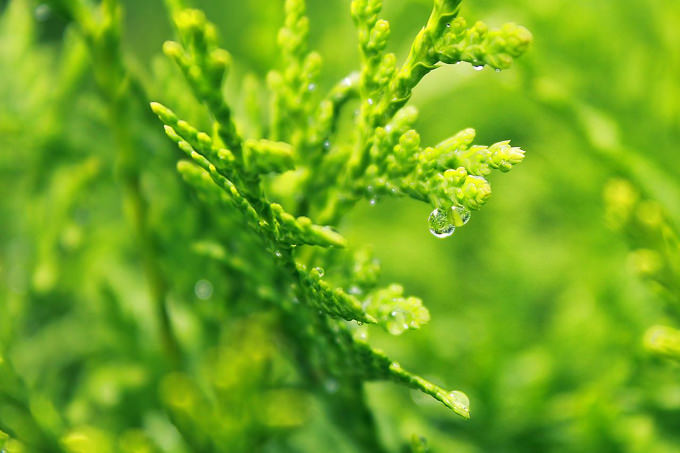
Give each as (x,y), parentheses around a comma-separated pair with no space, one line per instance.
(537,307)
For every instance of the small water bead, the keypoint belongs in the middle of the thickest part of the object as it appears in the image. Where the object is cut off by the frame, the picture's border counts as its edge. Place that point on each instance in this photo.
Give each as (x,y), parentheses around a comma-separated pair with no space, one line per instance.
(396,325)
(331,385)
(478,68)
(460,216)
(327,144)
(42,12)
(370,101)
(320,272)
(360,334)
(311,86)
(460,400)
(203,289)
(293,295)
(440,224)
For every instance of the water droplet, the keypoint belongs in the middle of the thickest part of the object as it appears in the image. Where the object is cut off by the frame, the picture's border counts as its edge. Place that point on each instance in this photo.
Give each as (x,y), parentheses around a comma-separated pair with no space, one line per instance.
(370,101)
(372,201)
(497,70)
(478,68)
(388,128)
(311,86)
(327,144)
(347,82)
(278,254)
(360,334)
(448,25)
(319,270)
(331,385)
(459,400)
(203,289)
(42,12)
(440,224)
(460,216)
(354,290)
(396,325)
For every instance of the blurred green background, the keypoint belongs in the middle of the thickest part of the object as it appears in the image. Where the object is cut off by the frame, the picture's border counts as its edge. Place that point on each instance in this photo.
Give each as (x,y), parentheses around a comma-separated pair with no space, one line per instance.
(536,312)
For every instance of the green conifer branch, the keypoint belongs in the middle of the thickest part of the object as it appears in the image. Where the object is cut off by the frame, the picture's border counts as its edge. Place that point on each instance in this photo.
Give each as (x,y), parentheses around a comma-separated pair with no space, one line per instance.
(386,158)
(385,89)
(355,358)
(320,317)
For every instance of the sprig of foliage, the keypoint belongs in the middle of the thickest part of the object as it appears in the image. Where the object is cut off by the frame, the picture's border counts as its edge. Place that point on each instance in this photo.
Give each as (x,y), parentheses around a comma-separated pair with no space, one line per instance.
(385,157)
(268,245)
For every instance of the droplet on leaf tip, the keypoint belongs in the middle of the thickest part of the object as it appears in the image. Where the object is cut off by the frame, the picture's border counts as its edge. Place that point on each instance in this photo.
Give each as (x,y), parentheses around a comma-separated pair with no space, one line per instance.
(440,224)
(460,215)
(459,400)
